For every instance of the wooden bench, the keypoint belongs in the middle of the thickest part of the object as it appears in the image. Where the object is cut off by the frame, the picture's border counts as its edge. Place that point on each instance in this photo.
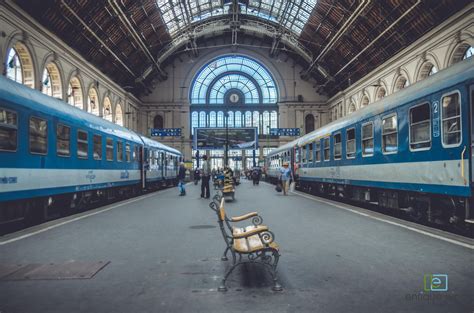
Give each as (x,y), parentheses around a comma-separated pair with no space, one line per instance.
(251,244)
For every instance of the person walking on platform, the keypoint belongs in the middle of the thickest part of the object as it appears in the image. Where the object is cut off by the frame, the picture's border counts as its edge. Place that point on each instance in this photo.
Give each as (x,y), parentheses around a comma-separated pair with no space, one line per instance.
(285,176)
(181,178)
(255,176)
(205,177)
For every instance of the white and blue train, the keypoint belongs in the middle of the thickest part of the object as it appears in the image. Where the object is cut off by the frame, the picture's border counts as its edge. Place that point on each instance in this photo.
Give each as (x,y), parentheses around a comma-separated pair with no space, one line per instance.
(56,159)
(411,151)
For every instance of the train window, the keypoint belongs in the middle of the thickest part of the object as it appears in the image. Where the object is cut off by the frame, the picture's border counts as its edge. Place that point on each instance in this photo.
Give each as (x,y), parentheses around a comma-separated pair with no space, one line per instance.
(310,159)
(97,147)
(350,143)
(63,140)
(368,139)
(8,130)
(337,146)
(38,135)
(420,127)
(451,114)
(119,151)
(317,147)
(389,134)
(303,152)
(327,151)
(134,153)
(127,152)
(109,149)
(82,144)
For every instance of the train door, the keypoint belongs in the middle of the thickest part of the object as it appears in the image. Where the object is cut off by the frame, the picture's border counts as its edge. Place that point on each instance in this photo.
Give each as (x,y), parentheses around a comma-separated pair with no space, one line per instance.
(143,167)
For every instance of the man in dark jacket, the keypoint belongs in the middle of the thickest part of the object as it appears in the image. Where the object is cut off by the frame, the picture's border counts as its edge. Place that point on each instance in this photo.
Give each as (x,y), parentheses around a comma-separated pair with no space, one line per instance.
(205,176)
(181,177)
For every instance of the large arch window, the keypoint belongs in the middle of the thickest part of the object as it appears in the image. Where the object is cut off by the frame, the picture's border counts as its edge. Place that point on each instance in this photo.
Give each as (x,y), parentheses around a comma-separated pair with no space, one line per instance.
(20,65)
(233,72)
(74,93)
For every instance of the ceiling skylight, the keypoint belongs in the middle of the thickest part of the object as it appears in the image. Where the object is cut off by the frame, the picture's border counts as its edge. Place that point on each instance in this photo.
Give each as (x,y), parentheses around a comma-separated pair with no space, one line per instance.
(291,14)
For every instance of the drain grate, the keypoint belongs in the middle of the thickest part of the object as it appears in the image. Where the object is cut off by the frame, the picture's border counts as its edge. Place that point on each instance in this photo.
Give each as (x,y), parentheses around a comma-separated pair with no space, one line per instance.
(51,271)
(202,226)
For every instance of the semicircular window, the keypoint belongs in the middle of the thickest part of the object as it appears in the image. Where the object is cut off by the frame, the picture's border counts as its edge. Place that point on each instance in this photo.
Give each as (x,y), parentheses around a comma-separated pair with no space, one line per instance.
(218,77)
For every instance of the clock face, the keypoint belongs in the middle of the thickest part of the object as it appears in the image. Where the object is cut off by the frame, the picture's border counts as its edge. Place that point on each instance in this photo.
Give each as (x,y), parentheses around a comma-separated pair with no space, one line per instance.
(234,98)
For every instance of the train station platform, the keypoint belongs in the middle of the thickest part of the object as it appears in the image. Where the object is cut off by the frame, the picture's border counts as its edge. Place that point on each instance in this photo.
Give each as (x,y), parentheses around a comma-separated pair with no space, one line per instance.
(161,253)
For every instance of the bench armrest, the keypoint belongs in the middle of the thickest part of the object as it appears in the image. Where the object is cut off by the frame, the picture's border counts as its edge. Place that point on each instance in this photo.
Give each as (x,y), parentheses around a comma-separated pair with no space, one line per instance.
(243,217)
(253,231)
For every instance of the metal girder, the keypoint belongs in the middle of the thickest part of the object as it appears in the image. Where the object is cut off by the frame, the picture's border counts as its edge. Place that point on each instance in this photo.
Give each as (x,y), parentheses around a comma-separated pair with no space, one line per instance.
(225,24)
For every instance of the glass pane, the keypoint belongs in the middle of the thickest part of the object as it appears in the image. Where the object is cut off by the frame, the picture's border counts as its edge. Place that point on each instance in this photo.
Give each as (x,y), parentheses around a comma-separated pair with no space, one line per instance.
(38,135)
(389,143)
(367,131)
(451,119)
(389,124)
(119,151)
(97,147)
(110,149)
(82,145)
(8,130)
(63,140)
(127,152)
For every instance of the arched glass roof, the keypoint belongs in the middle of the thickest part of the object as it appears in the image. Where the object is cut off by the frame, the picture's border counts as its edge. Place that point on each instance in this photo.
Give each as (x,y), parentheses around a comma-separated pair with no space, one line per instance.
(233,72)
(292,14)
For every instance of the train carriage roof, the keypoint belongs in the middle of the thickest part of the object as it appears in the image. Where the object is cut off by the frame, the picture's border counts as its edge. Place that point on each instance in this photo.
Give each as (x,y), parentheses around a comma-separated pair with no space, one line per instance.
(37,101)
(158,145)
(451,76)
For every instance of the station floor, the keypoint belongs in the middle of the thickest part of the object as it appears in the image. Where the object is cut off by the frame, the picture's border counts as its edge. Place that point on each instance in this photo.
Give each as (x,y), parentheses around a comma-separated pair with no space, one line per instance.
(161,253)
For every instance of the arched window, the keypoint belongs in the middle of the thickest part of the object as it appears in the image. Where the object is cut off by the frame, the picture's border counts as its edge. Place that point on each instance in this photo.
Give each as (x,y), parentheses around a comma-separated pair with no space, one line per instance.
(352,108)
(266,122)
(20,65)
(158,122)
(364,102)
(220,119)
(118,114)
(202,119)
(14,71)
(309,123)
(381,92)
(248,119)
(107,114)
(227,73)
(273,119)
(426,70)
(212,119)
(468,53)
(74,93)
(230,119)
(401,83)
(194,121)
(238,119)
(93,102)
(256,121)
(51,81)
(462,52)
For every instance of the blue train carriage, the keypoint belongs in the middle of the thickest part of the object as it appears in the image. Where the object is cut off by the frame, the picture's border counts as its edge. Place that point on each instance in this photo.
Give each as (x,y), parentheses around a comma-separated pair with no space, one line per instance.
(161,164)
(275,159)
(56,159)
(411,151)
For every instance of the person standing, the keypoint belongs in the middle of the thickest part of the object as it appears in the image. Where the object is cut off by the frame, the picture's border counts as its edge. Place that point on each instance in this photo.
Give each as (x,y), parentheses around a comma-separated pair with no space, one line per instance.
(285,176)
(205,177)
(181,178)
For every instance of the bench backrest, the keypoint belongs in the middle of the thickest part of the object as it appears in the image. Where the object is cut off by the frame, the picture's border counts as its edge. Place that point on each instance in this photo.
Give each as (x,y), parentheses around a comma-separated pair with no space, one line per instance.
(222,210)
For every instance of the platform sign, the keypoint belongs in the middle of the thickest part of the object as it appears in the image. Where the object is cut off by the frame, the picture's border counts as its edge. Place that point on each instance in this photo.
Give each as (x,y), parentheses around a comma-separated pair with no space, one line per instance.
(166,132)
(215,138)
(284,131)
